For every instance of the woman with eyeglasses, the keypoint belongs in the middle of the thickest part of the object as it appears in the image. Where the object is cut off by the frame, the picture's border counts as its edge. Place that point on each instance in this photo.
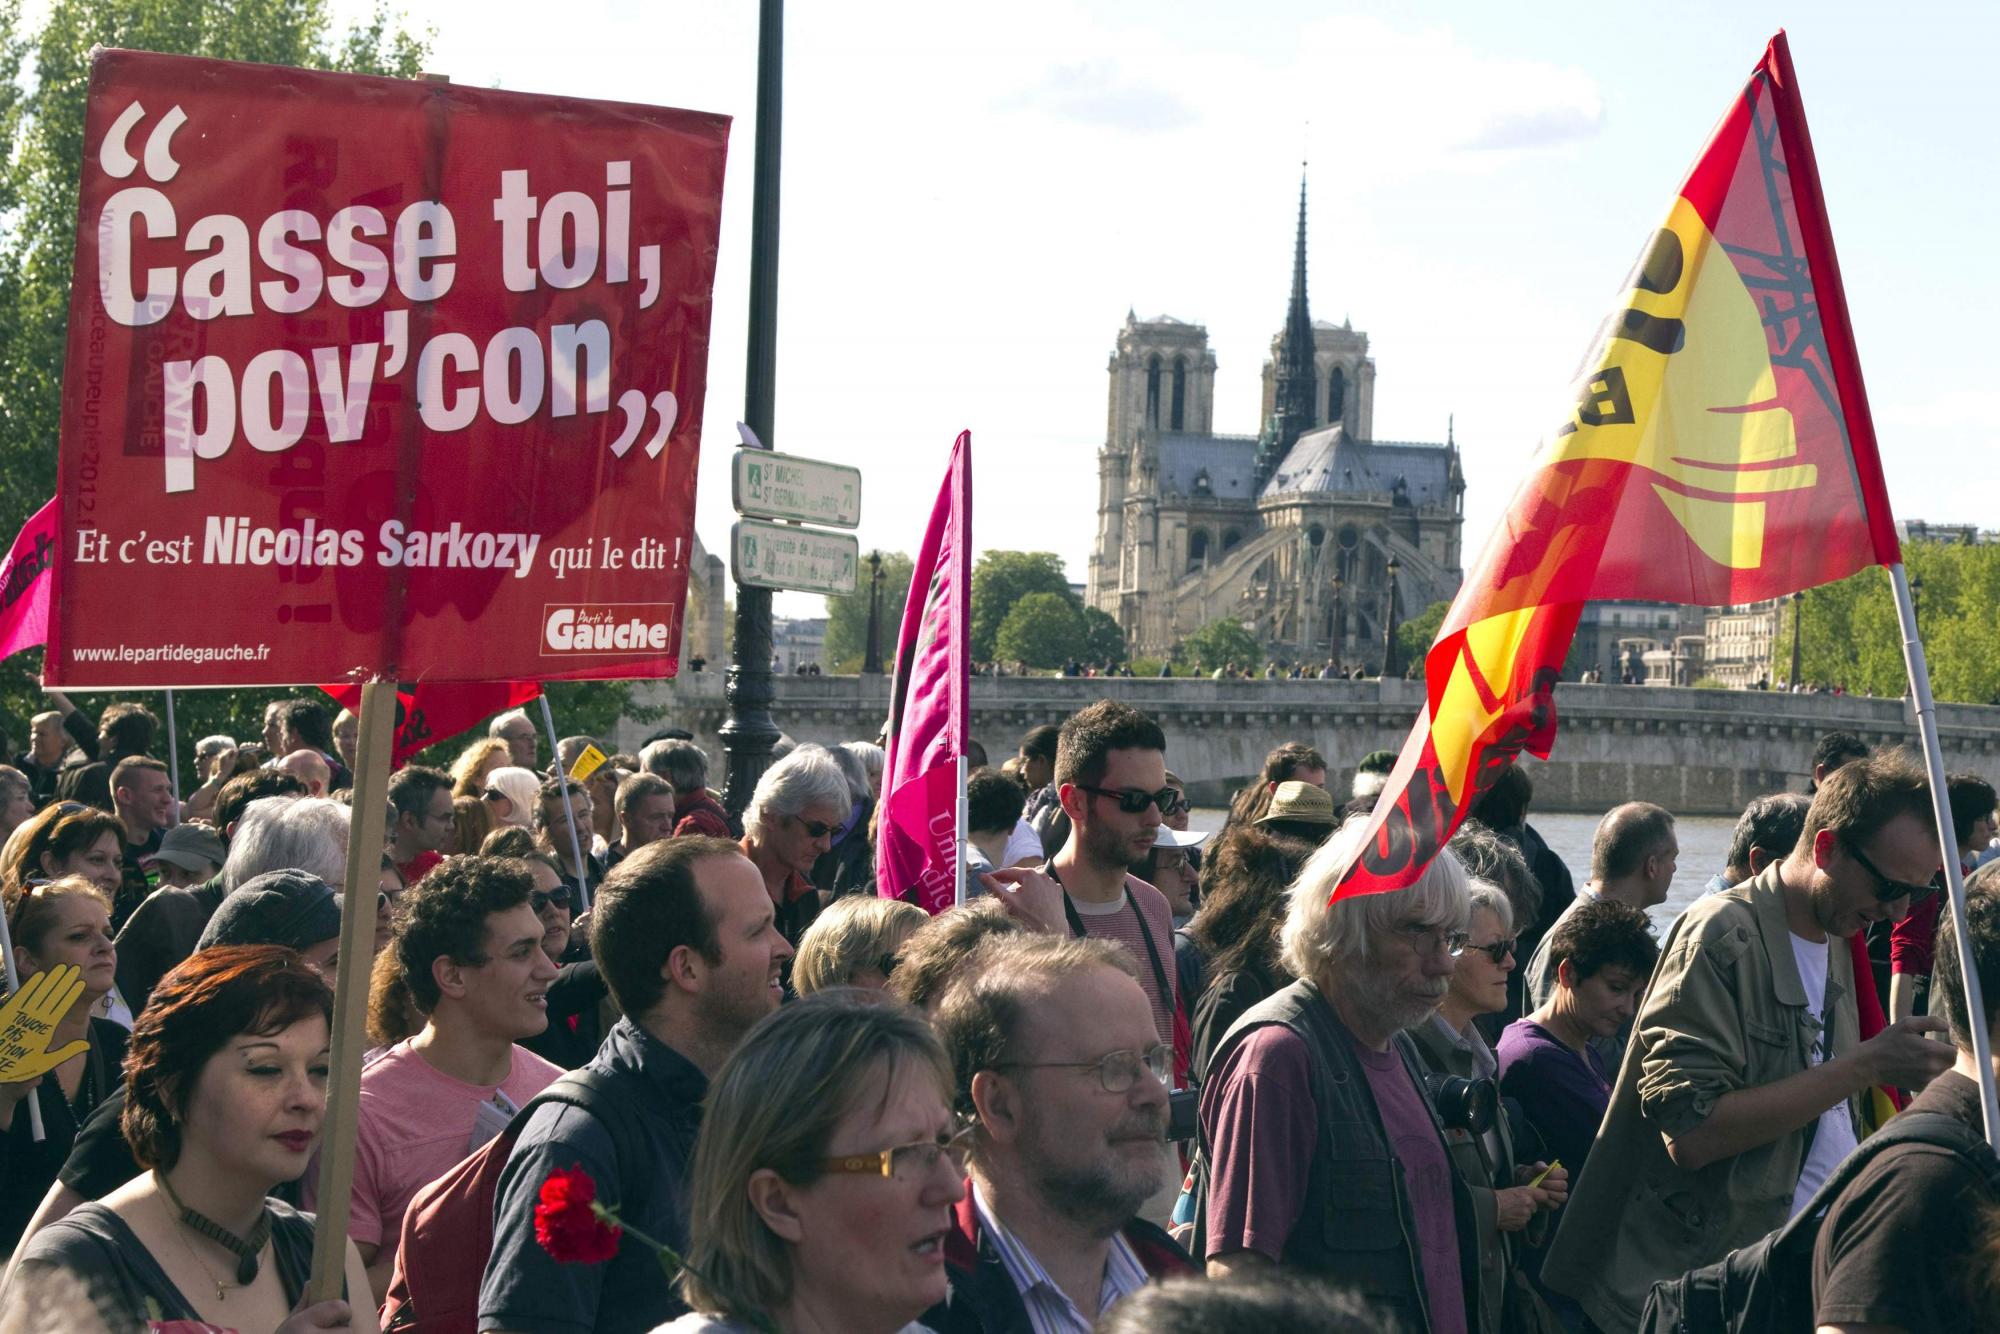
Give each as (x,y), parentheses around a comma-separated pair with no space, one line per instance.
(510,795)
(1462,1074)
(66,921)
(576,1025)
(824,1176)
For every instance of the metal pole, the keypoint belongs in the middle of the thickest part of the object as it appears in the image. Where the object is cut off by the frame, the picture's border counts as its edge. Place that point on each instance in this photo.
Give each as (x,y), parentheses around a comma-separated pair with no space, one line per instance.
(1798,616)
(748,734)
(872,664)
(174,756)
(962,825)
(36,1131)
(1954,878)
(569,811)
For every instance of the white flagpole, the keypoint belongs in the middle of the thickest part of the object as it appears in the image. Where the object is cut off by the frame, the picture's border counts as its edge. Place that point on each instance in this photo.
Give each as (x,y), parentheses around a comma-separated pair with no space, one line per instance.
(959,823)
(1954,879)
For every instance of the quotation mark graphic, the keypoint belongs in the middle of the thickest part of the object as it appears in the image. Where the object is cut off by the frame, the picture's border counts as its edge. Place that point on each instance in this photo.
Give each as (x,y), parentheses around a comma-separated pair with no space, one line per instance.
(118,161)
(633,402)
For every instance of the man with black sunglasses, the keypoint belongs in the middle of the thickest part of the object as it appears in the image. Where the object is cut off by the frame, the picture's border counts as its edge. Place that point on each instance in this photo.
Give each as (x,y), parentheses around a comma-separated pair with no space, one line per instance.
(1747,1081)
(1111,776)
(800,803)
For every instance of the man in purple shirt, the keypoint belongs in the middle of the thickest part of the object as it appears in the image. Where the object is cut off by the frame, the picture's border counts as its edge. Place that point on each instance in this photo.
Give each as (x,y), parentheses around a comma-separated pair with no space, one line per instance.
(1322,1151)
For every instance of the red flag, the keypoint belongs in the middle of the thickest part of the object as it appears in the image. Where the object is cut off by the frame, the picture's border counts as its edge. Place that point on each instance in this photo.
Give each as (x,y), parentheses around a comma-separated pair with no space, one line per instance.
(24,583)
(429,713)
(1719,451)
(916,846)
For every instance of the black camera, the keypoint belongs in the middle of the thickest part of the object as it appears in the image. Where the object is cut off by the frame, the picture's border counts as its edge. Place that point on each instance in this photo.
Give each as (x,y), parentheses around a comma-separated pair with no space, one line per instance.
(1181,1106)
(1471,1105)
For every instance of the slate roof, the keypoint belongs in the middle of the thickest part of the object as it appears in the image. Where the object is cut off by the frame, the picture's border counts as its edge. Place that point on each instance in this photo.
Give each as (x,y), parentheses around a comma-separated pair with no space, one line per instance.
(1326,460)
(1230,460)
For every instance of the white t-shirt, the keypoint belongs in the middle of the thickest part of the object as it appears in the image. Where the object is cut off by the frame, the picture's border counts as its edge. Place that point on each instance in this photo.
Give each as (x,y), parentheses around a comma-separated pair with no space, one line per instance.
(1023,844)
(1834,1139)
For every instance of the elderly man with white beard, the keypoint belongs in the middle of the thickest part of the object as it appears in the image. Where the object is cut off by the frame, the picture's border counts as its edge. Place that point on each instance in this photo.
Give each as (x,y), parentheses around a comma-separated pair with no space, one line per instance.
(1058,1065)
(1321,1151)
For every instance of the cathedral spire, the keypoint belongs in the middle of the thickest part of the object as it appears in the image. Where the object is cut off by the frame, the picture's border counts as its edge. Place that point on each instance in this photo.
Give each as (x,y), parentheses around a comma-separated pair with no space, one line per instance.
(1295,380)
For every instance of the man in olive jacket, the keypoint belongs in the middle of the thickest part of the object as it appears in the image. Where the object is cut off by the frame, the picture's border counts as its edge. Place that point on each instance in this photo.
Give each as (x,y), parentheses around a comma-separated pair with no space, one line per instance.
(1741,1088)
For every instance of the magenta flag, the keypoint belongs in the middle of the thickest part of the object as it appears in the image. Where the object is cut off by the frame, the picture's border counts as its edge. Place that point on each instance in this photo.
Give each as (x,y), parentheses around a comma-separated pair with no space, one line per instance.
(24,583)
(917,837)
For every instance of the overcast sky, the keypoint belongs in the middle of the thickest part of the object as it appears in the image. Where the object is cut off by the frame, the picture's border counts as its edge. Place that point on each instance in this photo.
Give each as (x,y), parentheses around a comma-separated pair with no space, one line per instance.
(974,196)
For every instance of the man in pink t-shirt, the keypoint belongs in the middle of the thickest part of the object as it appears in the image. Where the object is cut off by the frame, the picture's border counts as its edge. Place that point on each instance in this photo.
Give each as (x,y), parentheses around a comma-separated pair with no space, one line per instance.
(471,948)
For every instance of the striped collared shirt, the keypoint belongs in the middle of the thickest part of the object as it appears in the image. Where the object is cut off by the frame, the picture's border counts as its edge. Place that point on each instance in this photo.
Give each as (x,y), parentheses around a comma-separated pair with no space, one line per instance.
(1050,1311)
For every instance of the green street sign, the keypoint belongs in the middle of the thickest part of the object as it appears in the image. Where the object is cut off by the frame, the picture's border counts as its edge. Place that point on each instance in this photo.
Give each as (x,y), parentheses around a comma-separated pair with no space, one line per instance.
(804,560)
(767,485)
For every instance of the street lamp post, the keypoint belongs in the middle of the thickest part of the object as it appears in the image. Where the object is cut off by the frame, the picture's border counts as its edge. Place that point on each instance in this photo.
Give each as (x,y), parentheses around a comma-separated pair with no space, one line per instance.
(872,664)
(1389,624)
(749,733)
(1798,615)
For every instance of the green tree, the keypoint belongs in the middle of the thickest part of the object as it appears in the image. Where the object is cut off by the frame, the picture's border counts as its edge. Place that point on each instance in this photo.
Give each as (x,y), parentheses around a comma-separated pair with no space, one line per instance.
(1103,641)
(1043,630)
(1850,635)
(1218,644)
(847,617)
(1000,580)
(1414,636)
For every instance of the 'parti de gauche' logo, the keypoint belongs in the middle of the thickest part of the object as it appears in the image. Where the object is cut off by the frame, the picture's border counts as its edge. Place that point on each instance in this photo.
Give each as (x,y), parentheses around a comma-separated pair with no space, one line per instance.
(1679,382)
(607,627)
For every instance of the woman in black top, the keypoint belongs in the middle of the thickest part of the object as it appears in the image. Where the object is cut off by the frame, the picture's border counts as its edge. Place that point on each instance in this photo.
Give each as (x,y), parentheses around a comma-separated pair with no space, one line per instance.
(225,1095)
(1244,879)
(66,921)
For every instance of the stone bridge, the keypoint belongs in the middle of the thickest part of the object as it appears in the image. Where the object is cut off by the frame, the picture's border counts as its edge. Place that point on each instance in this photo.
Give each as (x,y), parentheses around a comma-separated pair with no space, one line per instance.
(1696,752)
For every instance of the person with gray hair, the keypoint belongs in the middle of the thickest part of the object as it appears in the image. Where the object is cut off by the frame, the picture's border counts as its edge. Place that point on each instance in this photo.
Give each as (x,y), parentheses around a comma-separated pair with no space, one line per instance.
(800,803)
(1320,1150)
(849,866)
(513,727)
(289,833)
(1462,1070)
(873,762)
(685,765)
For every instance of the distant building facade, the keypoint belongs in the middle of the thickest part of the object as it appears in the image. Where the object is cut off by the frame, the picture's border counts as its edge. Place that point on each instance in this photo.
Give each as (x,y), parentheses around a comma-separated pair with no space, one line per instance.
(1290,532)
(1613,638)
(1741,641)
(798,643)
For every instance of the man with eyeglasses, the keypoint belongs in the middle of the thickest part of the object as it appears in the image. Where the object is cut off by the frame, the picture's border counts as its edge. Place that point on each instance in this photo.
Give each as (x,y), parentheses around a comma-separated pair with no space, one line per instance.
(1744,1085)
(799,805)
(1111,777)
(1320,1150)
(1064,1079)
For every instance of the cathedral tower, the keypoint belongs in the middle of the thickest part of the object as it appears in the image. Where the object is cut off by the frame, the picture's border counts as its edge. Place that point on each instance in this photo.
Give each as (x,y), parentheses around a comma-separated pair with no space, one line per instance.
(1295,409)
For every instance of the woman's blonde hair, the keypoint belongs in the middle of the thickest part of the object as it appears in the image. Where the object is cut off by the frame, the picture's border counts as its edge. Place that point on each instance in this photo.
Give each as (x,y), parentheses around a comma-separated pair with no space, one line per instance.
(775,1105)
(32,910)
(854,932)
(467,778)
(472,821)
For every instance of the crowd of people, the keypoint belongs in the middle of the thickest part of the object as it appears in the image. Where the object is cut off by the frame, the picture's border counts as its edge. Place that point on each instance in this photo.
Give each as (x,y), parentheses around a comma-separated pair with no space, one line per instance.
(640,1063)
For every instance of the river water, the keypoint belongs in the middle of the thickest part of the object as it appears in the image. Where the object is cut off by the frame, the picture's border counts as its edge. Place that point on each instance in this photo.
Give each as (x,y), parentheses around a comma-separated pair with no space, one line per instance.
(1704,844)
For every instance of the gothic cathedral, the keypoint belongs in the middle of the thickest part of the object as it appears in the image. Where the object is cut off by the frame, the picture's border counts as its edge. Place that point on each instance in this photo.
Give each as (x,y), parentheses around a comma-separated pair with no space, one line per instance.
(1293,532)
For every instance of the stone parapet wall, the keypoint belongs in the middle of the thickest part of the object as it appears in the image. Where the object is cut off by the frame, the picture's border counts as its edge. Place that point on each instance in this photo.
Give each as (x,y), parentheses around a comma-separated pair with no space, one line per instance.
(1697,752)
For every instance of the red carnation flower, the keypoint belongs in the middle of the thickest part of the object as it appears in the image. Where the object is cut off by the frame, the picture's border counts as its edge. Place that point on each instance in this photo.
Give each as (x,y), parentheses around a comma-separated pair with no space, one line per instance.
(567,1223)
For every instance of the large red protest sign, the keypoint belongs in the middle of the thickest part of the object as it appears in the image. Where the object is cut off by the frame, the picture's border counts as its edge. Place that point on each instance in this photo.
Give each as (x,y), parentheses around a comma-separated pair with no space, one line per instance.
(377,378)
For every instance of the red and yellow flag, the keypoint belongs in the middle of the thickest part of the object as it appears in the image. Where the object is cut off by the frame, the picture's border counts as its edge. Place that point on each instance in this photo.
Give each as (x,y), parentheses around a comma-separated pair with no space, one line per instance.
(1719,451)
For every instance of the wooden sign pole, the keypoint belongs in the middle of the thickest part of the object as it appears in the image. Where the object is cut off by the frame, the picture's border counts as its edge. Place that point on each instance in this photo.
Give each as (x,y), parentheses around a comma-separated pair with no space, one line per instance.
(350,997)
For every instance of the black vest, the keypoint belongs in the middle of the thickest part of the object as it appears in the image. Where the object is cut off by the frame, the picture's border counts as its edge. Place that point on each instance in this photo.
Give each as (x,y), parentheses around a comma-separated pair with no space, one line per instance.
(1357,1225)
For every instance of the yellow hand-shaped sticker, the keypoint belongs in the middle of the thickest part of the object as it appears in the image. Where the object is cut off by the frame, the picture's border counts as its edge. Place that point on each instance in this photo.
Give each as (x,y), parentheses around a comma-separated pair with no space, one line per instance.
(28,1020)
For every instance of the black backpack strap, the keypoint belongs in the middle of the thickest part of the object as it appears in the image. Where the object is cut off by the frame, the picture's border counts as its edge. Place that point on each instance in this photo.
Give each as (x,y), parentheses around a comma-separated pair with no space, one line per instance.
(605,1098)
